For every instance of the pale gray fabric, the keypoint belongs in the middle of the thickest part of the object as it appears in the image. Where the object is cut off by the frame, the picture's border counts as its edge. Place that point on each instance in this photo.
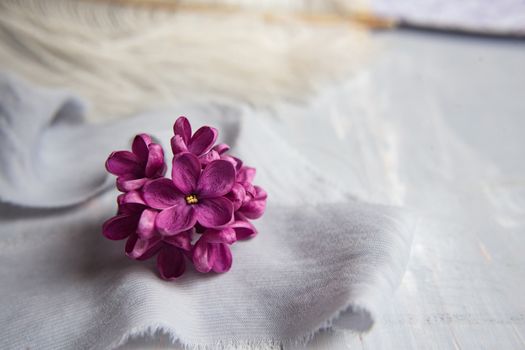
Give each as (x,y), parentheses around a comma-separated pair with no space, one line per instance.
(322,259)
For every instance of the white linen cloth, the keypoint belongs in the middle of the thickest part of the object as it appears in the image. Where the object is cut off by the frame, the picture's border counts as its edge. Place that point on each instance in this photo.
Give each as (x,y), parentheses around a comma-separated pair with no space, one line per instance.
(322,259)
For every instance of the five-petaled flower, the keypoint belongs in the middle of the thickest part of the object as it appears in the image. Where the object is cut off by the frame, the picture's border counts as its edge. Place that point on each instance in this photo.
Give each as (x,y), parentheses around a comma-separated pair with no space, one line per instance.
(192,195)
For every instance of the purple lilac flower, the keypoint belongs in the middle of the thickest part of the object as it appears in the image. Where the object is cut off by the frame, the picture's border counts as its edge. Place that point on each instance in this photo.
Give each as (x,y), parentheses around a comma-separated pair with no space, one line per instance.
(171,252)
(192,195)
(133,169)
(136,222)
(198,144)
(212,251)
(210,193)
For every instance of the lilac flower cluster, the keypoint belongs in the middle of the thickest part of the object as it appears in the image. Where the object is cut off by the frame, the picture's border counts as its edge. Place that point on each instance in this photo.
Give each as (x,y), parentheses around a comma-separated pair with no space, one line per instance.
(205,207)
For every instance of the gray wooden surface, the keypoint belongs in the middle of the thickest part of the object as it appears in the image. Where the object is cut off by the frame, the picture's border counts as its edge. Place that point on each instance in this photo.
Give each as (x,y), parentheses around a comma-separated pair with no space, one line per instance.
(436,123)
(455,110)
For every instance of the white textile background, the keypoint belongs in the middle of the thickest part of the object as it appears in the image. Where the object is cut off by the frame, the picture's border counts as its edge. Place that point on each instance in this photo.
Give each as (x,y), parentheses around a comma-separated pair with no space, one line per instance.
(322,260)
(435,124)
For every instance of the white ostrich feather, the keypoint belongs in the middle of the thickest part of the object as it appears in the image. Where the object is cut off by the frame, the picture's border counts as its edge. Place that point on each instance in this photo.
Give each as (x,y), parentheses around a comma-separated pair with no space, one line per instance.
(126,59)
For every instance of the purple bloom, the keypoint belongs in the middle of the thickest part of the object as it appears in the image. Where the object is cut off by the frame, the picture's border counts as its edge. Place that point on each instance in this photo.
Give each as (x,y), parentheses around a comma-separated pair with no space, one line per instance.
(130,197)
(136,222)
(243,228)
(210,194)
(133,169)
(212,251)
(198,144)
(248,200)
(132,218)
(255,203)
(193,195)
(171,251)
(219,152)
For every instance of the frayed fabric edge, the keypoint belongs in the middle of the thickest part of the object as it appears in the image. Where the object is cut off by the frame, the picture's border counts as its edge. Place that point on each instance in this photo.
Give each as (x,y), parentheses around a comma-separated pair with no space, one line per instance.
(361,310)
(152,329)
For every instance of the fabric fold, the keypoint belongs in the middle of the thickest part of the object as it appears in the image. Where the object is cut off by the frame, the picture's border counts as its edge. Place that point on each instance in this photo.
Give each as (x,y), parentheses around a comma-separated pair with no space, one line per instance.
(321,260)
(51,157)
(310,268)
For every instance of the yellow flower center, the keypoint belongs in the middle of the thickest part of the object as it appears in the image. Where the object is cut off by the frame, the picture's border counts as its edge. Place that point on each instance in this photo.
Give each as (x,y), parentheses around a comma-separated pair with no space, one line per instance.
(192,199)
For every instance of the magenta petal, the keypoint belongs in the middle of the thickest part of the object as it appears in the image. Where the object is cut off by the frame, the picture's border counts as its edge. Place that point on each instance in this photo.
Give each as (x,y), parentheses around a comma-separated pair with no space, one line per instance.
(181,240)
(246,174)
(120,226)
(155,166)
(123,162)
(178,145)
(161,194)
(146,226)
(223,257)
(182,128)
(243,229)
(129,182)
(170,263)
(214,212)
(185,172)
(140,147)
(254,208)
(221,148)
(142,249)
(226,235)
(250,190)
(209,157)
(237,163)
(130,208)
(130,197)
(176,219)
(202,258)
(202,141)
(216,179)
(237,195)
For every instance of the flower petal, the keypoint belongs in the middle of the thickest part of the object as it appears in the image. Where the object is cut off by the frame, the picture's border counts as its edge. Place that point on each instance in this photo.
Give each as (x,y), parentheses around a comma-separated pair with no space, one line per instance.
(254,208)
(140,147)
(202,258)
(146,225)
(246,174)
(243,229)
(181,240)
(131,209)
(202,141)
(178,218)
(226,235)
(129,182)
(155,166)
(250,191)
(170,263)
(221,148)
(130,197)
(214,212)
(182,127)
(162,194)
(120,226)
(178,145)
(185,172)
(209,157)
(236,162)
(222,257)
(142,249)
(237,195)
(123,162)
(216,179)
